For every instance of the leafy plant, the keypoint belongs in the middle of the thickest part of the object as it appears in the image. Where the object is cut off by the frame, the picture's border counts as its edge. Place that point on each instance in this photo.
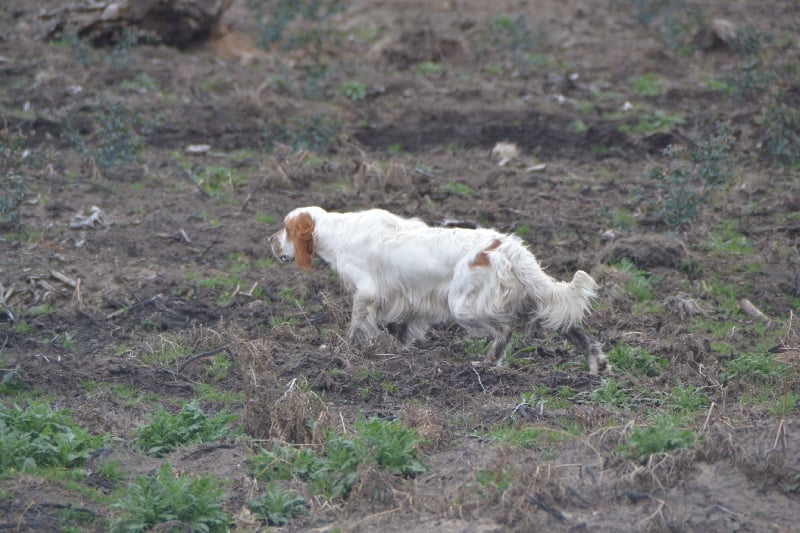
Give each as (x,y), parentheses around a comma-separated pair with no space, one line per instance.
(757,368)
(658,121)
(782,135)
(636,361)
(390,445)
(690,177)
(610,393)
(675,22)
(458,189)
(387,445)
(662,436)
(640,283)
(354,90)
(119,134)
(12,186)
(514,39)
(37,436)
(316,133)
(164,432)
(649,85)
(277,505)
(166,497)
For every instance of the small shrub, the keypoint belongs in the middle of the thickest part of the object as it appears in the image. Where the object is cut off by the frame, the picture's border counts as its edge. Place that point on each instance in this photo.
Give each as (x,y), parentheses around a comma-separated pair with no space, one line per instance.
(316,133)
(514,40)
(12,186)
(280,14)
(675,22)
(277,505)
(165,497)
(164,432)
(37,436)
(782,135)
(119,133)
(662,436)
(691,176)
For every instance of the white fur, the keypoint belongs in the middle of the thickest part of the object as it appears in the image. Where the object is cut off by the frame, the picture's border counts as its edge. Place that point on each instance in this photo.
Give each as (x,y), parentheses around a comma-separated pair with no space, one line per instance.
(408,275)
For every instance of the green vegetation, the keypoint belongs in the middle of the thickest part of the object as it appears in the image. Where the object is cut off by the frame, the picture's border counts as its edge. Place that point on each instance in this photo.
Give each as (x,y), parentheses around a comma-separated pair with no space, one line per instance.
(167,497)
(316,133)
(664,435)
(37,436)
(641,283)
(387,445)
(635,361)
(164,432)
(691,176)
(354,90)
(12,186)
(277,505)
(649,85)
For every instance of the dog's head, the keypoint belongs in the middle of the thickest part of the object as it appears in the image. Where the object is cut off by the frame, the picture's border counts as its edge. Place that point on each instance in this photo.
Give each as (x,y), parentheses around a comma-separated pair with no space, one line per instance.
(296,240)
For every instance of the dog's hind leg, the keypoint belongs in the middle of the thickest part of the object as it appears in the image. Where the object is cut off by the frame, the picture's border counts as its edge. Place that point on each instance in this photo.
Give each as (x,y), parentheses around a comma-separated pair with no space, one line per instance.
(586,344)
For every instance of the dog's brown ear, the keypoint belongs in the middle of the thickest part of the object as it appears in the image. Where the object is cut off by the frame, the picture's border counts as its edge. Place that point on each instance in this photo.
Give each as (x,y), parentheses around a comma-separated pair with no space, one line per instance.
(300,230)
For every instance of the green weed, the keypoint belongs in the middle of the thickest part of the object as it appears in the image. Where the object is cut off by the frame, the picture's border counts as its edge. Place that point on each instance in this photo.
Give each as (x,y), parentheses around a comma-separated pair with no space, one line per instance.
(457,189)
(649,85)
(277,505)
(37,436)
(674,22)
(612,395)
(164,433)
(755,368)
(148,501)
(726,240)
(387,445)
(354,90)
(636,361)
(12,186)
(658,121)
(640,283)
(514,40)
(664,435)
(316,133)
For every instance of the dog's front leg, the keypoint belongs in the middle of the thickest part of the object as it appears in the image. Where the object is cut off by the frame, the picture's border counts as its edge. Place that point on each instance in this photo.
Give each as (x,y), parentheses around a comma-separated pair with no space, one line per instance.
(363,321)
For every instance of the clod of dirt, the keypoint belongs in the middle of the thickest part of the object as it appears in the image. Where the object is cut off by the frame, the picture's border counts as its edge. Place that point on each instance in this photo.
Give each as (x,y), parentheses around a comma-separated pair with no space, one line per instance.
(645,251)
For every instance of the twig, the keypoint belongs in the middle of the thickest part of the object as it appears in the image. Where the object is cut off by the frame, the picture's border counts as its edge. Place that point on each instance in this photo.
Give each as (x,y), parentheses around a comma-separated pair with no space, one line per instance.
(479,379)
(546,508)
(708,417)
(201,355)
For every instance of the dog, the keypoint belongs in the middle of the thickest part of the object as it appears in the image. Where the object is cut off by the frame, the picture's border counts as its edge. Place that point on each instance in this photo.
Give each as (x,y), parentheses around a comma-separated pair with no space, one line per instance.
(405,275)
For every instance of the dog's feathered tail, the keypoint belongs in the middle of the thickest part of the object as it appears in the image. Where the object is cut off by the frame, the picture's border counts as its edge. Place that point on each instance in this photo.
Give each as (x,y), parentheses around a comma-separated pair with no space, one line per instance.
(558,305)
(563,305)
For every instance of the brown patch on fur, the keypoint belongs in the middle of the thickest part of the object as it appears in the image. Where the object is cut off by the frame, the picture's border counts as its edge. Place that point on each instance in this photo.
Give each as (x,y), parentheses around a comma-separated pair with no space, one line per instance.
(300,230)
(481,259)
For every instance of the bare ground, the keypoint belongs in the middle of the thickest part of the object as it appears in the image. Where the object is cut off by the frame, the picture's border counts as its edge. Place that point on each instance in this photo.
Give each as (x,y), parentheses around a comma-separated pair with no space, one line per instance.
(158,274)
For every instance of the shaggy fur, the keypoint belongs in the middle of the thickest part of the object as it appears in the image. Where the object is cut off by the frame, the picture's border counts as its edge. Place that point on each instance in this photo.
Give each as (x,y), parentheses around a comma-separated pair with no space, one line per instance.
(406,275)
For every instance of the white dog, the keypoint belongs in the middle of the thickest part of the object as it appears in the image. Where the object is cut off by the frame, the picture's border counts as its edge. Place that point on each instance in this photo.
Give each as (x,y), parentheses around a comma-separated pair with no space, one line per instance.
(407,275)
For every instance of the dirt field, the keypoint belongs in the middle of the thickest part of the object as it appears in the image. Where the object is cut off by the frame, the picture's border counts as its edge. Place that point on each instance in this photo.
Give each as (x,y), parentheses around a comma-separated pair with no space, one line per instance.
(167,291)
